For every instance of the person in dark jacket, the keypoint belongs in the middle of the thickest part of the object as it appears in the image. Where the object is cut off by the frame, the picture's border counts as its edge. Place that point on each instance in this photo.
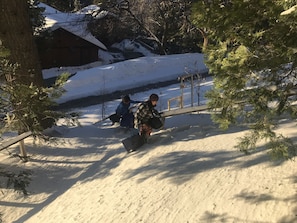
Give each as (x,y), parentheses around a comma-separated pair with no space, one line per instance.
(143,114)
(123,112)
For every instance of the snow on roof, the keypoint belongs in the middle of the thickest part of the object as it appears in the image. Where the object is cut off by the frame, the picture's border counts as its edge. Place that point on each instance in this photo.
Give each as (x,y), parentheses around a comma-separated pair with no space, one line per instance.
(74,23)
(290,10)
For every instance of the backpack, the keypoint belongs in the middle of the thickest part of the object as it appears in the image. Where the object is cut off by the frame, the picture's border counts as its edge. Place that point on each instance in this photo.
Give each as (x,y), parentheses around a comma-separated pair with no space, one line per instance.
(114,118)
(156,122)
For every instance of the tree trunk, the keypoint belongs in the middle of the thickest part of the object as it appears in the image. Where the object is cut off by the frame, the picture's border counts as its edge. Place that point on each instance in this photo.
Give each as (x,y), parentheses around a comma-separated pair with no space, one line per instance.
(17,36)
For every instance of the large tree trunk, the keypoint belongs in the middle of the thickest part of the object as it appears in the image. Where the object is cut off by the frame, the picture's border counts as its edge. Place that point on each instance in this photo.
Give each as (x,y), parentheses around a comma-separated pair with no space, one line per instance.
(17,36)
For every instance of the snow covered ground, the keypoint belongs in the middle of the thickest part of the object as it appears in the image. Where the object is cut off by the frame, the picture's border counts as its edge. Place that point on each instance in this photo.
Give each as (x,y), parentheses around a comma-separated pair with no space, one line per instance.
(188,172)
(128,74)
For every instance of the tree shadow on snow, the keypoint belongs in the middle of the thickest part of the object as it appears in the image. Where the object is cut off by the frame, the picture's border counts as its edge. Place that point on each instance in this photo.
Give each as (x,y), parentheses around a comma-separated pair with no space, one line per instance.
(255,198)
(97,151)
(56,168)
(209,216)
(182,166)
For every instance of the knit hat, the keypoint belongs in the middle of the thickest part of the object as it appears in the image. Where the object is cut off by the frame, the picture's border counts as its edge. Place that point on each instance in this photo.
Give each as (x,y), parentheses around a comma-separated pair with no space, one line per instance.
(126,98)
(154,97)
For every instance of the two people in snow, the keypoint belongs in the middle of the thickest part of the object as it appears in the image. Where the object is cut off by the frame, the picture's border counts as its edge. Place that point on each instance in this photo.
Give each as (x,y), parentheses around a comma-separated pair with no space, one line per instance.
(144,119)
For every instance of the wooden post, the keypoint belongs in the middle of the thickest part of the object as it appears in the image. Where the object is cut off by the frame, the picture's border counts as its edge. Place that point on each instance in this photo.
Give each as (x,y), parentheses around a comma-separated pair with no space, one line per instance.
(178,98)
(17,139)
(182,95)
(192,90)
(22,149)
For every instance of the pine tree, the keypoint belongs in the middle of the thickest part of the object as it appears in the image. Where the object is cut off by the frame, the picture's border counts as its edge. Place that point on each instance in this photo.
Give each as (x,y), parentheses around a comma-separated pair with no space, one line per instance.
(27,104)
(16,35)
(251,52)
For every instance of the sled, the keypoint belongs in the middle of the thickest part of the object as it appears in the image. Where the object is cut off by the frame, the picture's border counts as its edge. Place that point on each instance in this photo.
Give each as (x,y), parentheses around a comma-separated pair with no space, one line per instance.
(132,143)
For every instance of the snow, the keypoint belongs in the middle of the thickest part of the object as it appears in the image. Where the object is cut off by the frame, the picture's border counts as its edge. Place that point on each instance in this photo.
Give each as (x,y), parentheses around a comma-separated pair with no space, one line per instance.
(188,172)
(290,10)
(75,23)
(132,73)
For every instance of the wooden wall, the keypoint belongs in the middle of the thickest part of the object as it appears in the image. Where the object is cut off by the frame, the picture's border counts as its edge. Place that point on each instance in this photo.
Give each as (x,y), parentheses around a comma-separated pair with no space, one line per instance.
(66,49)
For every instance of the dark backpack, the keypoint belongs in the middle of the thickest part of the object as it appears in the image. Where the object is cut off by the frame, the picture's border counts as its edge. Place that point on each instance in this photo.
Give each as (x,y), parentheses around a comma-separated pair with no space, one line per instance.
(156,122)
(114,118)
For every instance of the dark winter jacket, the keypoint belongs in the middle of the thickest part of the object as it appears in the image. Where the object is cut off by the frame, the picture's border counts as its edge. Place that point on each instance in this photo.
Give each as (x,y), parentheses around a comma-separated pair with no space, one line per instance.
(123,108)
